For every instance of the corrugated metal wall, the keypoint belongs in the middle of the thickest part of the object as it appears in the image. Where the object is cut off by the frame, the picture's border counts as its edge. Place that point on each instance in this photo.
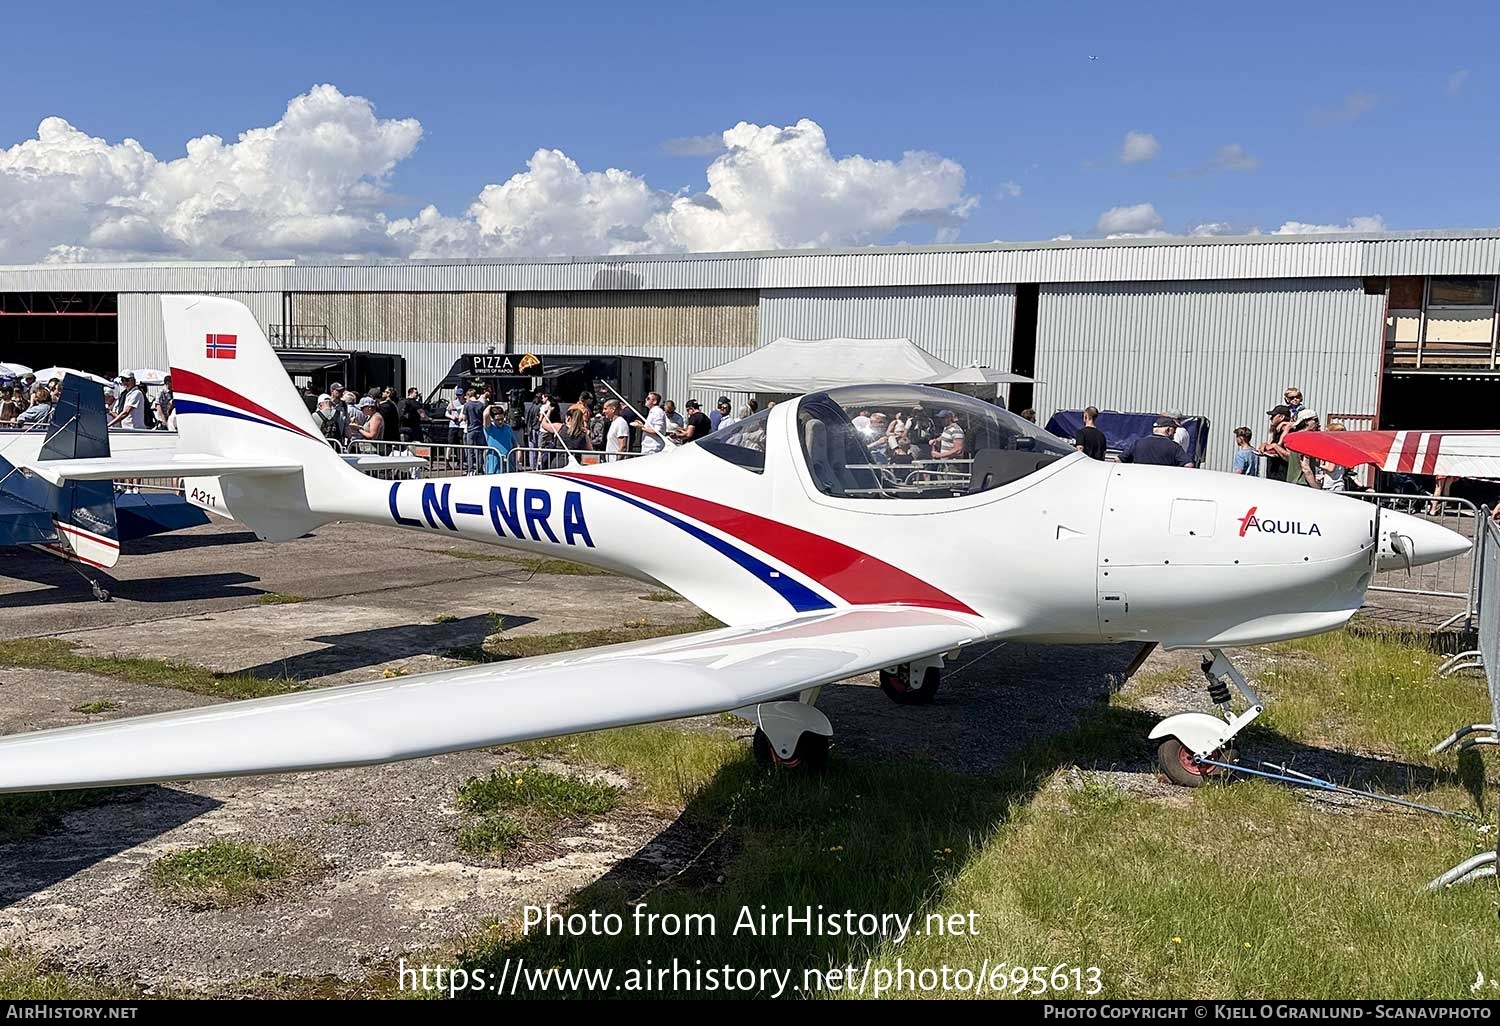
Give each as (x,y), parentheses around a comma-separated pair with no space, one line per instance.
(143,341)
(689,330)
(474,318)
(961,324)
(1224,350)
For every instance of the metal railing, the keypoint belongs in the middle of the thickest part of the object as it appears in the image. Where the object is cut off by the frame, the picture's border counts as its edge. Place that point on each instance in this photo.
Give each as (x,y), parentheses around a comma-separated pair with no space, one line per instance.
(532,457)
(1452,579)
(1487,659)
(302,336)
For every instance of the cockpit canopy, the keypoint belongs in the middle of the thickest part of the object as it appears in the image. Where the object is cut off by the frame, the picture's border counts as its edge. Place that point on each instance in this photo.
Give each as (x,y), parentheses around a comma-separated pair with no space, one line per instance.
(913,442)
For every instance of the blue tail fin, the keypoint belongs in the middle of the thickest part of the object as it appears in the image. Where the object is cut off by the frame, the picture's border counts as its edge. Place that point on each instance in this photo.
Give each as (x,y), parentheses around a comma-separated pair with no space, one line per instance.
(80,431)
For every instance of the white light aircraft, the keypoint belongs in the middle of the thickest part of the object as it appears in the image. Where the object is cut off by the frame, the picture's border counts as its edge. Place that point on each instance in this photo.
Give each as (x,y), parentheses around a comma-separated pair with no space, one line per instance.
(825,560)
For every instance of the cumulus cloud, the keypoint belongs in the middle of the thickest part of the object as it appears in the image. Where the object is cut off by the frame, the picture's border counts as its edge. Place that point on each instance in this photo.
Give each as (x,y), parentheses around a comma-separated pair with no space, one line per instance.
(1369,223)
(1458,82)
(1139,147)
(312,183)
(771,188)
(315,183)
(1119,222)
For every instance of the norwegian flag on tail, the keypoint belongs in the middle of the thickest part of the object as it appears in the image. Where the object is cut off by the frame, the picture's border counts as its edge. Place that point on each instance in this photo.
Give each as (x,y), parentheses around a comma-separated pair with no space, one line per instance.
(221,347)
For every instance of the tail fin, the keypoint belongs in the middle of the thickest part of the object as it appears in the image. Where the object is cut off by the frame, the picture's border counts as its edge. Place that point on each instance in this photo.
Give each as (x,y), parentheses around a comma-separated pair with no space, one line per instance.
(83,511)
(234,399)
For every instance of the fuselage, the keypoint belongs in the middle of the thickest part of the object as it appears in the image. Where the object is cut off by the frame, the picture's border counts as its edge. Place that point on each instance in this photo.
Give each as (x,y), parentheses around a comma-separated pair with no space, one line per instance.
(1076,551)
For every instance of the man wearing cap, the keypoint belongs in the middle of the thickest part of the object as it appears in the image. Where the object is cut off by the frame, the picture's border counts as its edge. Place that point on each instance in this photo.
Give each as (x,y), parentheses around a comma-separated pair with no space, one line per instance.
(131,411)
(1281,420)
(949,444)
(1179,433)
(697,424)
(327,419)
(720,411)
(1158,448)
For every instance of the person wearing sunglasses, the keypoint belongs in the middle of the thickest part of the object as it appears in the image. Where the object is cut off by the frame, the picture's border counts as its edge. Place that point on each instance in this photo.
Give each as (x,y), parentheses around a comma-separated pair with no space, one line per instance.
(1293,399)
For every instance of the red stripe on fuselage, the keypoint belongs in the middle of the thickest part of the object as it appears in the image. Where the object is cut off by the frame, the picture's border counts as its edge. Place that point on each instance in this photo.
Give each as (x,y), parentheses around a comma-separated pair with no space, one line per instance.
(854,576)
(189,383)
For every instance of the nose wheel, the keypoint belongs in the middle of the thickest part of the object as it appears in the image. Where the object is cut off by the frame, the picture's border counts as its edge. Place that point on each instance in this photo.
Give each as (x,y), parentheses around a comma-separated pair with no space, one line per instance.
(1179,765)
(1188,744)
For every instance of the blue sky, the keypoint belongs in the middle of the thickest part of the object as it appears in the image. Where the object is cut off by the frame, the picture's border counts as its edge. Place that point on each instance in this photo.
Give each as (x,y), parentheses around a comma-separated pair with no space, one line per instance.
(1338,110)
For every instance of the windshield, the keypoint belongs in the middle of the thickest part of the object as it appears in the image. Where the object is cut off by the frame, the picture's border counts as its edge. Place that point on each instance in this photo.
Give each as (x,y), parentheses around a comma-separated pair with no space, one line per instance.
(742,442)
(913,442)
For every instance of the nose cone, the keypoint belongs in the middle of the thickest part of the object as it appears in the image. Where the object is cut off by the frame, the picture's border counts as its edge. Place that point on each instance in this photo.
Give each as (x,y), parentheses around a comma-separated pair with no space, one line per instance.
(1408,540)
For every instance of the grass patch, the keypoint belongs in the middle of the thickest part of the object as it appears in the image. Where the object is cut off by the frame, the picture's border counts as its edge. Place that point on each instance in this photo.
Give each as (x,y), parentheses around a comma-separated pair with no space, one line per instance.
(533,564)
(272,598)
(34,812)
(1243,892)
(445,618)
(502,646)
(24,977)
(492,835)
(223,873)
(508,806)
(1369,693)
(661,596)
(101,706)
(667,765)
(551,794)
(54,654)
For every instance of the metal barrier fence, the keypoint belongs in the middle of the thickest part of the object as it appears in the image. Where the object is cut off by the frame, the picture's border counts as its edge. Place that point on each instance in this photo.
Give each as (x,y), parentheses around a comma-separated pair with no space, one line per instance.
(531,457)
(1449,579)
(1486,658)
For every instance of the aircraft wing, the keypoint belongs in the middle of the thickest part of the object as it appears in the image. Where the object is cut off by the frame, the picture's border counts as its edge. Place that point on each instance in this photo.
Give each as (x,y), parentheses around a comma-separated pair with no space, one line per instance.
(1445,453)
(479,706)
(156,464)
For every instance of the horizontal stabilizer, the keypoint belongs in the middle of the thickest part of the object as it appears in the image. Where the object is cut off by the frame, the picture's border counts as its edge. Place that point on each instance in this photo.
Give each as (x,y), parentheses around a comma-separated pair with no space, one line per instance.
(158,464)
(480,706)
(377,461)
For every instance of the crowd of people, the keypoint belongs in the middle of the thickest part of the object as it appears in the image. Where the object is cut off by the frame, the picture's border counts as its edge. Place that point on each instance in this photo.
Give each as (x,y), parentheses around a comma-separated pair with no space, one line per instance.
(27,403)
(1270,457)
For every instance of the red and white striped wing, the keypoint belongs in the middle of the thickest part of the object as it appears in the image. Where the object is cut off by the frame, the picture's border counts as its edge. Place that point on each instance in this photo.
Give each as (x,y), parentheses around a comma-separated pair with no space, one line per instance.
(1443,453)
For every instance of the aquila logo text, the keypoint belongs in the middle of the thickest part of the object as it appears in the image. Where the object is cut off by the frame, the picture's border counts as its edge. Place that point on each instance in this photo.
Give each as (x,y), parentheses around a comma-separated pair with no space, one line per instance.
(1250,522)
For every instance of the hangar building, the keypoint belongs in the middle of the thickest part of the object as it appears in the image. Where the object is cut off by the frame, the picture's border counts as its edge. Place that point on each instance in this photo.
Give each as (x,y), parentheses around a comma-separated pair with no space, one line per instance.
(1395,329)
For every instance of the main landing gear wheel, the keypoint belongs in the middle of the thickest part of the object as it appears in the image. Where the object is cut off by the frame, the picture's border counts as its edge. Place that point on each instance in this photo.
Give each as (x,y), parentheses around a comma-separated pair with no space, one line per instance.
(810,755)
(1181,767)
(898,687)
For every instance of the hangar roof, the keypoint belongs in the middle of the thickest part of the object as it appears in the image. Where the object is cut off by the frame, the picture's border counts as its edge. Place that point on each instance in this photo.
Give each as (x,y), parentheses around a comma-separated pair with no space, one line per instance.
(1168,258)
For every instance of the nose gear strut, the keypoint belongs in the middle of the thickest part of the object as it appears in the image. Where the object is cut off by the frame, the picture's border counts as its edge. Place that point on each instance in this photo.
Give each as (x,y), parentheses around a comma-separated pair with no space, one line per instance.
(1196,747)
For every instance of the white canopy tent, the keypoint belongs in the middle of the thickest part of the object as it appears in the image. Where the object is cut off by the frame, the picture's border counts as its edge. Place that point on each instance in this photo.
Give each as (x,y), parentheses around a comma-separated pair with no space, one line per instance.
(796,365)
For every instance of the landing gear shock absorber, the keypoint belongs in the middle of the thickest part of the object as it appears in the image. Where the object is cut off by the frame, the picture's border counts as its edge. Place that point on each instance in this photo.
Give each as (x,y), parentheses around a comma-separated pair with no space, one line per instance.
(1186,739)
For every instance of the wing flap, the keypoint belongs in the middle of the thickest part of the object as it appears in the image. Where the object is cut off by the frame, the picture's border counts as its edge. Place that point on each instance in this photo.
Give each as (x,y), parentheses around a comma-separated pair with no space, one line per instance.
(157,464)
(477,707)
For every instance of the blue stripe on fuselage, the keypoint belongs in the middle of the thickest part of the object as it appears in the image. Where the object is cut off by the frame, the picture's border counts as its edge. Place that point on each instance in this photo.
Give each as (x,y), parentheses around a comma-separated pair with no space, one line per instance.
(802,598)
